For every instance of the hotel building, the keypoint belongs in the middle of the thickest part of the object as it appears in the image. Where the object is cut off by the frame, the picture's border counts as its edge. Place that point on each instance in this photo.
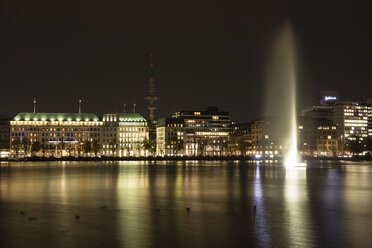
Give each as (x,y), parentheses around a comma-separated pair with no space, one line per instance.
(54,134)
(124,135)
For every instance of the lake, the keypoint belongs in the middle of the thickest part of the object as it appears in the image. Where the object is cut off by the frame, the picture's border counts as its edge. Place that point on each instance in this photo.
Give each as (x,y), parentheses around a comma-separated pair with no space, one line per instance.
(185,204)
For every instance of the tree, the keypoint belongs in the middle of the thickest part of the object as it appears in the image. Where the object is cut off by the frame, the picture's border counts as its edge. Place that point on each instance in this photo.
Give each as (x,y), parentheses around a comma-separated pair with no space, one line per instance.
(70,146)
(201,147)
(87,147)
(26,145)
(44,147)
(16,145)
(222,146)
(60,147)
(35,147)
(96,147)
(179,146)
(242,147)
(146,144)
(150,145)
(152,136)
(355,146)
(368,143)
(78,148)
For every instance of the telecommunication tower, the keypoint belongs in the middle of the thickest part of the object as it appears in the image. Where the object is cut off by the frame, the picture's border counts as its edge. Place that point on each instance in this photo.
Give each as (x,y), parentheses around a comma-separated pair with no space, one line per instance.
(151,96)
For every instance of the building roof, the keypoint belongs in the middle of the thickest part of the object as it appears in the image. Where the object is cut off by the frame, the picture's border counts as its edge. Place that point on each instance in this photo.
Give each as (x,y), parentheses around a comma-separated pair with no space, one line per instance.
(131,117)
(55,117)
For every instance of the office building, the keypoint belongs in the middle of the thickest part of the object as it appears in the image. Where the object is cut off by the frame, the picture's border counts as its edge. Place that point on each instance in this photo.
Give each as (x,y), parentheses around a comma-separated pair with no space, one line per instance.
(352,121)
(205,132)
(317,137)
(369,107)
(170,139)
(266,138)
(240,140)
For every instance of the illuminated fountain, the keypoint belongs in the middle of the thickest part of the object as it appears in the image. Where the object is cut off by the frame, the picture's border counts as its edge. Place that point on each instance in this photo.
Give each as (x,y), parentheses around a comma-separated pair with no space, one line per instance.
(281,93)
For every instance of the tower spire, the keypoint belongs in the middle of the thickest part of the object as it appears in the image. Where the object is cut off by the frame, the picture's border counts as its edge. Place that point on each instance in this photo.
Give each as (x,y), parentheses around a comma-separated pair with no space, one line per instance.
(151,96)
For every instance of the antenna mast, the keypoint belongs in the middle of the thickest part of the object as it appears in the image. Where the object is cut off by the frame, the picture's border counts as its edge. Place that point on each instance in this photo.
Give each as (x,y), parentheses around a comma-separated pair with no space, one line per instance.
(151,97)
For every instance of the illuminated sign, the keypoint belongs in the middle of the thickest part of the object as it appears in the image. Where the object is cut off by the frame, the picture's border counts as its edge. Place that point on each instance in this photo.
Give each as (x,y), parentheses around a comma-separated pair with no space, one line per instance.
(330,98)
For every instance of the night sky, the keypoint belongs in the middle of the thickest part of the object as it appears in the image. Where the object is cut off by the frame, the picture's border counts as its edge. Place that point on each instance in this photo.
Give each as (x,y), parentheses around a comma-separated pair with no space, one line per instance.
(207,53)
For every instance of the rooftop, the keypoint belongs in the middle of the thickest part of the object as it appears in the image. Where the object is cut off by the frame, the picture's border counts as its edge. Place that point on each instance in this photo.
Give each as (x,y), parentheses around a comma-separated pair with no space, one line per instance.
(131,117)
(55,117)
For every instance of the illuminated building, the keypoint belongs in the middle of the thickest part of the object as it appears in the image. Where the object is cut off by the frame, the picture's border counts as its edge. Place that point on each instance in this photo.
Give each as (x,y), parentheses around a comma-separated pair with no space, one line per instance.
(240,141)
(4,135)
(317,138)
(369,104)
(125,134)
(265,139)
(203,133)
(207,131)
(54,134)
(170,135)
(352,121)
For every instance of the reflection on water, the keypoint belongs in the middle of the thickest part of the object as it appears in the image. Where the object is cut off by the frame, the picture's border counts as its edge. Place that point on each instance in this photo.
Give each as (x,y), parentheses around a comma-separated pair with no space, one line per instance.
(184,204)
(296,205)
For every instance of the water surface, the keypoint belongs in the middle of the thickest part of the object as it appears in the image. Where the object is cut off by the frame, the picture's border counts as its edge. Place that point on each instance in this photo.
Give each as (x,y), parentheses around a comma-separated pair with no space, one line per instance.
(184,204)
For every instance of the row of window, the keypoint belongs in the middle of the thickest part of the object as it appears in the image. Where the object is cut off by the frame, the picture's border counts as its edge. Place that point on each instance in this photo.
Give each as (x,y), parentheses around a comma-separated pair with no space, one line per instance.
(20,134)
(56,129)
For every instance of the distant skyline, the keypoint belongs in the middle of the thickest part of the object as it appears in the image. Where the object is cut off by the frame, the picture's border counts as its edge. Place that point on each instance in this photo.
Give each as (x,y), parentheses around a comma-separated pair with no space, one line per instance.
(207,53)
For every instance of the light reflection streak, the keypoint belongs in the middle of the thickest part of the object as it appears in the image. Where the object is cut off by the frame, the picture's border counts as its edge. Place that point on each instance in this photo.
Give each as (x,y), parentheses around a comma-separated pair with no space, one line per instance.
(261,224)
(131,204)
(296,203)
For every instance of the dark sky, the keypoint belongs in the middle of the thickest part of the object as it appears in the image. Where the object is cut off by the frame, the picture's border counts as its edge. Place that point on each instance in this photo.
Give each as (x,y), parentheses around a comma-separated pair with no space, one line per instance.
(208,53)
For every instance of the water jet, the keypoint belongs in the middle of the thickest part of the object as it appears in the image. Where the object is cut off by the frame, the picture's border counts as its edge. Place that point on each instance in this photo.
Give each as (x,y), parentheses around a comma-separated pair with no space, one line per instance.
(281,94)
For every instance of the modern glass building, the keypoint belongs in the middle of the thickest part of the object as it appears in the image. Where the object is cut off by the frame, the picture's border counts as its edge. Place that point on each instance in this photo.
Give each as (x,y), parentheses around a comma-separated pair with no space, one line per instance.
(352,121)
(204,132)
(369,106)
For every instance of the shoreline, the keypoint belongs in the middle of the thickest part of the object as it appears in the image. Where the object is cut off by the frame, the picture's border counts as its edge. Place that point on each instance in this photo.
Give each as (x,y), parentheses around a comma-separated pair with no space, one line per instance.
(217,158)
